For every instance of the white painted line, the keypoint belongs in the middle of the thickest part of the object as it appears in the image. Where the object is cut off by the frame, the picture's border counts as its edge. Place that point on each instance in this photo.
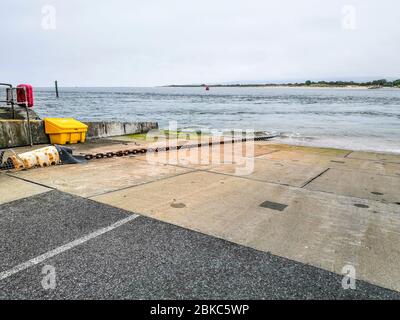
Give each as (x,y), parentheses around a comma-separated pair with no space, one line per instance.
(65,247)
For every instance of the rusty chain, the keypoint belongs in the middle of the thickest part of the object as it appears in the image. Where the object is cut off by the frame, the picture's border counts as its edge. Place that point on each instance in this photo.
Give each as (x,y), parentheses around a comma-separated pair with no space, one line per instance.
(127,152)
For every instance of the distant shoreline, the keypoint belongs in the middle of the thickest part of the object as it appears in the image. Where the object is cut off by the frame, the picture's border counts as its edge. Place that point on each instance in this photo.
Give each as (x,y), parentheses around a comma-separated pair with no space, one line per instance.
(282,87)
(375,84)
(277,87)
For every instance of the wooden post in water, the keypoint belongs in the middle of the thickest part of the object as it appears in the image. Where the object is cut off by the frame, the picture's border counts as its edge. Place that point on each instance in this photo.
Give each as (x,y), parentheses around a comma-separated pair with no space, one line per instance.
(56,84)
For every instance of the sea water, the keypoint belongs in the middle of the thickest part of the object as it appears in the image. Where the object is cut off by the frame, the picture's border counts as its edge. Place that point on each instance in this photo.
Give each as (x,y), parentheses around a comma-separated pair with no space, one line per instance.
(358,119)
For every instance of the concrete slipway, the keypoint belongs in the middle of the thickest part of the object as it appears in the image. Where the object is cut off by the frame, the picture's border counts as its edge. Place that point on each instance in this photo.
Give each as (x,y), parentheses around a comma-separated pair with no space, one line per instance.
(185,225)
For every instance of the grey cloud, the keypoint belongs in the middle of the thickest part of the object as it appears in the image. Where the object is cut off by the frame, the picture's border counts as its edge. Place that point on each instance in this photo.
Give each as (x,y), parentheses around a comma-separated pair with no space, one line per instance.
(144,43)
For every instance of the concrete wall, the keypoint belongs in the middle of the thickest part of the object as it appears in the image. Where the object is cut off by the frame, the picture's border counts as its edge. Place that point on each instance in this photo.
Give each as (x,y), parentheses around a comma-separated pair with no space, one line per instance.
(14,133)
(19,113)
(101,129)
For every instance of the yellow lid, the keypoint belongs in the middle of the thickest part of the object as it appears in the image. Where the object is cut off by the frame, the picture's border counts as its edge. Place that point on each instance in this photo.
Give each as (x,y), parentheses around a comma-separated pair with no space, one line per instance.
(59,125)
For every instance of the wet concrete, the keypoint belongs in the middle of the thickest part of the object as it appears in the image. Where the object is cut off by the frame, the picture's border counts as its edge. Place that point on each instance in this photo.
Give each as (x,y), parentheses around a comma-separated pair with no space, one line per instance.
(374,156)
(345,163)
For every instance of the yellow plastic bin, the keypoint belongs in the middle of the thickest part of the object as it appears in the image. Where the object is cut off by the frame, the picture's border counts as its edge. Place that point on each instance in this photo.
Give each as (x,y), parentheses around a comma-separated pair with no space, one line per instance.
(65,130)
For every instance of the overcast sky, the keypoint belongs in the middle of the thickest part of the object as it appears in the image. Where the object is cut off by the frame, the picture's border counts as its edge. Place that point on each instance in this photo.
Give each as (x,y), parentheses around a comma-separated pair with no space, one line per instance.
(157,42)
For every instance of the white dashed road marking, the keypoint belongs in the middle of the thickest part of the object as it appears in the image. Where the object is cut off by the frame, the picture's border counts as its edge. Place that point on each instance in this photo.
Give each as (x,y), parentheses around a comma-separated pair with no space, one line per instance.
(63,248)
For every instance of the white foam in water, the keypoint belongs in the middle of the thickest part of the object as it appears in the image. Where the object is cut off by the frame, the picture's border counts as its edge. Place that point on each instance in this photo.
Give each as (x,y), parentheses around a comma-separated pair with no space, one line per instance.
(345,118)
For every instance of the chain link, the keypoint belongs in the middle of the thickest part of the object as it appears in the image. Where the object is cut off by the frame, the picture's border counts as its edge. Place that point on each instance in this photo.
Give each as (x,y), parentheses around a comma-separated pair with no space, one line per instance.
(136,151)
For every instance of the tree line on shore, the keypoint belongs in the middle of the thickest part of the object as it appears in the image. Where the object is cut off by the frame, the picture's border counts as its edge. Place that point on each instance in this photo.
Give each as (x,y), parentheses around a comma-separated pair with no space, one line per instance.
(379,83)
(309,83)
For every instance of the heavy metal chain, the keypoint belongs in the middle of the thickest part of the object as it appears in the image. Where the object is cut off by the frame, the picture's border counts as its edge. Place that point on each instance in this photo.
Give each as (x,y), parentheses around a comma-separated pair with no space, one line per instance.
(127,152)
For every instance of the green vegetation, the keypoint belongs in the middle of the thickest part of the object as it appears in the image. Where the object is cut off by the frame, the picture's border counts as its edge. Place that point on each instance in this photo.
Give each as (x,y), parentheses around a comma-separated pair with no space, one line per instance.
(167,134)
(375,83)
(137,136)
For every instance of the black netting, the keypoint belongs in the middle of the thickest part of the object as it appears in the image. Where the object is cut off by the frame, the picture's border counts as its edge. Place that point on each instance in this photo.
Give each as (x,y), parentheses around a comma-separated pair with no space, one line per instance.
(6,162)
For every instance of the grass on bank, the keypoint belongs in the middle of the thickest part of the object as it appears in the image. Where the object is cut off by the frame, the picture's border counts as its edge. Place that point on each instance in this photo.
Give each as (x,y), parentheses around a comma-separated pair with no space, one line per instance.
(167,134)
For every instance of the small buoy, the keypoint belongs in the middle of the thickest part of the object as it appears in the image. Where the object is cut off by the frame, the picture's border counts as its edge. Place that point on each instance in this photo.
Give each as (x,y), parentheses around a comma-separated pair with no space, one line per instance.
(207,88)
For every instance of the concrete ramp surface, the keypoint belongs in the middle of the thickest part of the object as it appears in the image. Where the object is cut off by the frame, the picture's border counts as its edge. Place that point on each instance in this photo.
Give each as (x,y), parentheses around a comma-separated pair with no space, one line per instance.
(168,227)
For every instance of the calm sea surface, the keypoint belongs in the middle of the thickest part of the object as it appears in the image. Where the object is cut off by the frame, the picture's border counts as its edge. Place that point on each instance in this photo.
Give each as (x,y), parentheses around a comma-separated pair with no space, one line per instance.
(344,118)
